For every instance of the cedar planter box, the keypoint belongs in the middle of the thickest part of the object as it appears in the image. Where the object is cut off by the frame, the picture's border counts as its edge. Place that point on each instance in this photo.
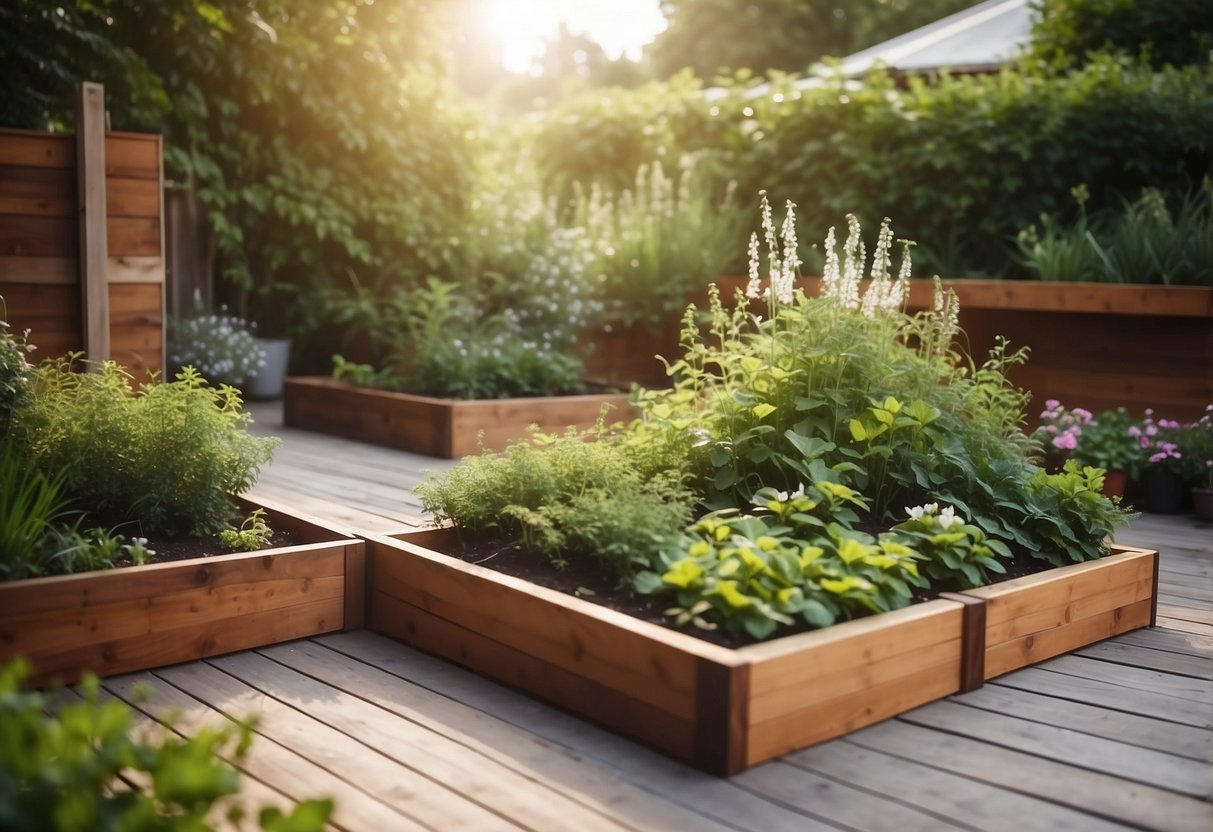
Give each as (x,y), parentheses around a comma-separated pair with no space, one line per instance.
(1036,617)
(139,617)
(719,709)
(448,428)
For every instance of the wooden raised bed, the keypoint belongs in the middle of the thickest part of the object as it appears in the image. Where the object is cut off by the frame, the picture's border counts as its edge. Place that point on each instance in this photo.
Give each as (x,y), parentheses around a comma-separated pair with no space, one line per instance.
(122,620)
(1036,617)
(448,428)
(719,709)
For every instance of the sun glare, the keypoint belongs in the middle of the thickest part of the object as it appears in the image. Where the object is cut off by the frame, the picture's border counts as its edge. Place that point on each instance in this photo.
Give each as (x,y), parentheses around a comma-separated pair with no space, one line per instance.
(621,27)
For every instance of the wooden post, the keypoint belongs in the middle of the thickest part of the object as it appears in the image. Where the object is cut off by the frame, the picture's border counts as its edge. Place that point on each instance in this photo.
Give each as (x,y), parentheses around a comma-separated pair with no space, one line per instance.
(90,189)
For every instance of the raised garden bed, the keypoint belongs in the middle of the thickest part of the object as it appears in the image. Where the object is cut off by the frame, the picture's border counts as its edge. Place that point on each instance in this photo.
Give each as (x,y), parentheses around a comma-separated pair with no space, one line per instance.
(721,709)
(123,620)
(448,428)
(1036,617)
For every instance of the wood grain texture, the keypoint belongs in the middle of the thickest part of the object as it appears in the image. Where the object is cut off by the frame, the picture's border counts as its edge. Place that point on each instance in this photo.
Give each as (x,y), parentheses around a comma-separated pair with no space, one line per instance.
(51,313)
(133,155)
(37,191)
(1039,616)
(92,231)
(61,271)
(29,148)
(139,617)
(448,428)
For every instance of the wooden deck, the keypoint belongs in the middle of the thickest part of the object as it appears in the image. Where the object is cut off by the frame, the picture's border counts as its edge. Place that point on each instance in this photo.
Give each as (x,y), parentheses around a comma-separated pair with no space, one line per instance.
(1116,736)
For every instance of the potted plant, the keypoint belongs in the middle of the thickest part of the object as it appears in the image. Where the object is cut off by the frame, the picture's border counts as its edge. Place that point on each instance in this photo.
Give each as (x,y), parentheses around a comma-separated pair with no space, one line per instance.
(1196,445)
(220,346)
(1059,432)
(1105,442)
(809,476)
(1162,465)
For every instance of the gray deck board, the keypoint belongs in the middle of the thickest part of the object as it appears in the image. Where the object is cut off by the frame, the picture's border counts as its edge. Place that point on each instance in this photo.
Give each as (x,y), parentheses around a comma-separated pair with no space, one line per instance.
(1118,735)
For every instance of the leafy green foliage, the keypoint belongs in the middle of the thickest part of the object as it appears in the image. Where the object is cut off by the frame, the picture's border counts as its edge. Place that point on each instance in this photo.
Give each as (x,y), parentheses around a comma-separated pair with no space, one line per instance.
(39,535)
(169,454)
(660,241)
(567,497)
(708,35)
(933,154)
(254,534)
(59,764)
(1105,442)
(1137,242)
(1065,32)
(317,137)
(14,372)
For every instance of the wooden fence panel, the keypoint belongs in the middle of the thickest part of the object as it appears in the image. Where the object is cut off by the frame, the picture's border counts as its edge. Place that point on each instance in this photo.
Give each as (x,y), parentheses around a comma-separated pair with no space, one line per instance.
(40,244)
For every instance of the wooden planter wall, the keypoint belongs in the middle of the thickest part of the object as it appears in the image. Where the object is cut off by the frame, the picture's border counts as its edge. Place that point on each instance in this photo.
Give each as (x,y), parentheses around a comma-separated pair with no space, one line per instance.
(60,251)
(139,617)
(723,709)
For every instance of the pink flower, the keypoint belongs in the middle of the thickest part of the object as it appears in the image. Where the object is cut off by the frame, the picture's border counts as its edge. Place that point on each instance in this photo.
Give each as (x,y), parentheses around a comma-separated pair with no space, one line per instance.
(1066,441)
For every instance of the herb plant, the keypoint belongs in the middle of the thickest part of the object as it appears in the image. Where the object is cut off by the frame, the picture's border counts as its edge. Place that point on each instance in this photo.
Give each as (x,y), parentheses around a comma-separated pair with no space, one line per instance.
(254,534)
(568,497)
(59,763)
(168,454)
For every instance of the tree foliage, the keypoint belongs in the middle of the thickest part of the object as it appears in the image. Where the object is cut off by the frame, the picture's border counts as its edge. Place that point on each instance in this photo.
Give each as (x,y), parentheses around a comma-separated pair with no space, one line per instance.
(787,35)
(319,136)
(1177,32)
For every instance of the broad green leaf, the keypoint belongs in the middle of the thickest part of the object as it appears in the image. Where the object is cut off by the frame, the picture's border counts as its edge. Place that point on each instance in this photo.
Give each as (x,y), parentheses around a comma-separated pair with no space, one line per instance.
(761,411)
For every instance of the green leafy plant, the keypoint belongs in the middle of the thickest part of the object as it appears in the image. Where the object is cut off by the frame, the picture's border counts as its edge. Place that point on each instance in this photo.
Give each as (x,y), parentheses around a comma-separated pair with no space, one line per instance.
(1137,242)
(168,454)
(1196,445)
(567,497)
(14,370)
(802,433)
(59,763)
(254,533)
(1105,442)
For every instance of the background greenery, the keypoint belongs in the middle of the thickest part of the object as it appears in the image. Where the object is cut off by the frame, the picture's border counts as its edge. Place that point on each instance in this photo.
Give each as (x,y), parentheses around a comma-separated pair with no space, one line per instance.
(348,147)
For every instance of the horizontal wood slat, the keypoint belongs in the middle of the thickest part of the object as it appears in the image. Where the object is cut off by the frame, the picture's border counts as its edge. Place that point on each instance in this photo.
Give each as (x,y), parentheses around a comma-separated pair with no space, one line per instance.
(35,149)
(38,236)
(53,270)
(133,155)
(37,191)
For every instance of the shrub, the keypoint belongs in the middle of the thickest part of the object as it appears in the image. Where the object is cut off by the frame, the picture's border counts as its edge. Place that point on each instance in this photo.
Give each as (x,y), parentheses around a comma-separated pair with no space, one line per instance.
(219,346)
(969,161)
(60,762)
(168,454)
(660,241)
(1179,32)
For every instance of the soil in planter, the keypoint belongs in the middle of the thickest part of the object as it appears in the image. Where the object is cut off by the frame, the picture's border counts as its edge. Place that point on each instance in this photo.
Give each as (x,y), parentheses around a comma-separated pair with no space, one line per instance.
(168,549)
(590,581)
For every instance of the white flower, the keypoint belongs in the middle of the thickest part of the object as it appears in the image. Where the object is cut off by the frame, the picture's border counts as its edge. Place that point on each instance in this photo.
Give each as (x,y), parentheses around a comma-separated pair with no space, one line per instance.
(915,512)
(948,517)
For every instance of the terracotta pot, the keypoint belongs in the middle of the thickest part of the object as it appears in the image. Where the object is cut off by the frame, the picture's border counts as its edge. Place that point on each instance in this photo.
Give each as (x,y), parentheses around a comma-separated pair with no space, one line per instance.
(1202,501)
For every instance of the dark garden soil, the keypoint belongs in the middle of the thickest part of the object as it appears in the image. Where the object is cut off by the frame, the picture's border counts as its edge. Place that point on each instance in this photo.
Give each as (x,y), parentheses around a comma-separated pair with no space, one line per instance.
(592,581)
(168,549)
